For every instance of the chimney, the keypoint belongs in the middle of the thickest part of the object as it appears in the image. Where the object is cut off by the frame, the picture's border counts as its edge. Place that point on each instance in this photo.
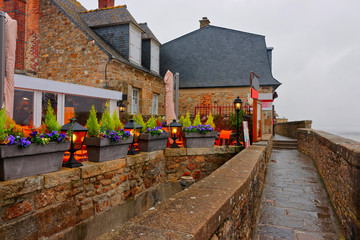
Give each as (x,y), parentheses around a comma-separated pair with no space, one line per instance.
(106,3)
(269,52)
(204,22)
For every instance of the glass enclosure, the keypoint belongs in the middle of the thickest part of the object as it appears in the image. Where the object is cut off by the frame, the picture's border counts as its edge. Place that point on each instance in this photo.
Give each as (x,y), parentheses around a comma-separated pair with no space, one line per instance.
(46,97)
(79,107)
(23,107)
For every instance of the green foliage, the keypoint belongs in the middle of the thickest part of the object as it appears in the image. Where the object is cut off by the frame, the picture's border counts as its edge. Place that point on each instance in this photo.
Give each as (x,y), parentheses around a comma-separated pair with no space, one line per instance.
(117,123)
(181,120)
(210,121)
(139,120)
(197,120)
(2,125)
(92,123)
(106,120)
(151,123)
(50,119)
(187,122)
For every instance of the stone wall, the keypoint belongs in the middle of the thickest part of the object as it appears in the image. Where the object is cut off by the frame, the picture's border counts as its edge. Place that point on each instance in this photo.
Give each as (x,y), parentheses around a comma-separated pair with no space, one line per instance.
(338,163)
(223,205)
(290,129)
(66,54)
(84,202)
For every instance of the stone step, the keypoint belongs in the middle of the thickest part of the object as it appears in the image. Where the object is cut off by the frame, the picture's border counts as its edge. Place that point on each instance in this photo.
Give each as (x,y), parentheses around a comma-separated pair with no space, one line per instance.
(285,144)
(285,147)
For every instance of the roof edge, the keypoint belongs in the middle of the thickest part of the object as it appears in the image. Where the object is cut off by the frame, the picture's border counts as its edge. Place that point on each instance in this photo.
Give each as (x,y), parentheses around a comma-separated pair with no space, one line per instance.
(212,26)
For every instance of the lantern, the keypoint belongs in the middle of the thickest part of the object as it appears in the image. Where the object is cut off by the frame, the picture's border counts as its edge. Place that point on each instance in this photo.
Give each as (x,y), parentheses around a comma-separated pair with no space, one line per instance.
(237,105)
(121,106)
(77,134)
(135,131)
(175,129)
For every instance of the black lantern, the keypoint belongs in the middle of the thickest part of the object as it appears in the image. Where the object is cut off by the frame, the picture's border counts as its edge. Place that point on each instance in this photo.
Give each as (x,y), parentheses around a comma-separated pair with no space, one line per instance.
(121,106)
(77,135)
(237,105)
(175,129)
(135,131)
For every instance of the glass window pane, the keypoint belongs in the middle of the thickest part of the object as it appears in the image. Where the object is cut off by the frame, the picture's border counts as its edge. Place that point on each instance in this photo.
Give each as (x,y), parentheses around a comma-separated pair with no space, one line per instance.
(135,101)
(23,107)
(155,104)
(79,107)
(46,97)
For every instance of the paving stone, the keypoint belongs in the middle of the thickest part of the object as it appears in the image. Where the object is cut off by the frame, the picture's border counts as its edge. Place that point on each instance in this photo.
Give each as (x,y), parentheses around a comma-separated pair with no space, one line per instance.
(294,203)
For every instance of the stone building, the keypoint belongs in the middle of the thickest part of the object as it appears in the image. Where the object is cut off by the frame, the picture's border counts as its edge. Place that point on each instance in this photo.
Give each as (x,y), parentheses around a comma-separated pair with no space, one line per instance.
(105,49)
(215,64)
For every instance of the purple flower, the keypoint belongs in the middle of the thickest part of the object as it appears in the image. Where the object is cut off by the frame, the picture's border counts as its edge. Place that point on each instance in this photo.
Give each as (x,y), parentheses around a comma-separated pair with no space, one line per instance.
(41,135)
(34,133)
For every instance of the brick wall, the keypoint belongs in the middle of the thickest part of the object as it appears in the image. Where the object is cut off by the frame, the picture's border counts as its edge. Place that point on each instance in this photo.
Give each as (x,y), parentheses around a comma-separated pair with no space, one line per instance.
(17,10)
(290,129)
(338,162)
(85,202)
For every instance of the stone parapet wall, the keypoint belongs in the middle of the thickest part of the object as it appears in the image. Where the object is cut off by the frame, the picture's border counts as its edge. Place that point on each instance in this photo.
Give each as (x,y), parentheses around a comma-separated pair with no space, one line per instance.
(223,205)
(290,129)
(85,202)
(338,163)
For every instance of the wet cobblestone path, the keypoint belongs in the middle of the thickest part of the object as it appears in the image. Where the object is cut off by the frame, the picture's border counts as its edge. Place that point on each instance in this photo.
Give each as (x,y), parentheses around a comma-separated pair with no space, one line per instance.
(294,203)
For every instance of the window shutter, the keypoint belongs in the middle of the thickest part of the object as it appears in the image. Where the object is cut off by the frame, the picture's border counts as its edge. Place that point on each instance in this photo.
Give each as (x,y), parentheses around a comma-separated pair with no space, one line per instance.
(155,56)
(135,45)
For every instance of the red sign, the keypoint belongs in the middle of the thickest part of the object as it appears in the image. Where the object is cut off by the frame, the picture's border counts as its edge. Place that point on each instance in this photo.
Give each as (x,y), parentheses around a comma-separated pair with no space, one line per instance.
(254,94)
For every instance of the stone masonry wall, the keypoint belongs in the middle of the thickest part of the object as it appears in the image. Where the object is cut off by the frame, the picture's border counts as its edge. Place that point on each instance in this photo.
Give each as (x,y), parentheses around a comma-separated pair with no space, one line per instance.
(190,98)
(84,202)
(67,55)
(338,163)
(290,129)
(223,205)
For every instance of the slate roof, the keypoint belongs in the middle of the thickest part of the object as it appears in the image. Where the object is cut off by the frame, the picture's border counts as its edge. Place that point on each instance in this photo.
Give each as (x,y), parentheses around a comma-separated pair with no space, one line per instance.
(108,16)
(148,34)
(217,57)
(72,10)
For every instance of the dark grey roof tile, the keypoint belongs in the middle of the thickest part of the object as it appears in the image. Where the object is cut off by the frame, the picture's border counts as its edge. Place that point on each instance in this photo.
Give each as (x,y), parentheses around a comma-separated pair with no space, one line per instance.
(217,57)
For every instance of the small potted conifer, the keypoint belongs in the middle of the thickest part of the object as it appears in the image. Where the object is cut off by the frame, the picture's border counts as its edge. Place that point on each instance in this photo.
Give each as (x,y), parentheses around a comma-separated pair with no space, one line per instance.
(197,135)
(106,141)
(153,138)
(40,152)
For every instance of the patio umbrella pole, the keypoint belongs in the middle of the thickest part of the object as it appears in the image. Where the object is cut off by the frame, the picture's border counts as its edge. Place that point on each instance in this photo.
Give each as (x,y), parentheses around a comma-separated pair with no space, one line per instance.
(2,57)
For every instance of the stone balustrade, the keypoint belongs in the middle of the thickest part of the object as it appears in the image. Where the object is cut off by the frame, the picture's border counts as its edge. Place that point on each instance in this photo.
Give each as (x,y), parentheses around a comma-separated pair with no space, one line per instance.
(338,163)
(290,129)
(222,205)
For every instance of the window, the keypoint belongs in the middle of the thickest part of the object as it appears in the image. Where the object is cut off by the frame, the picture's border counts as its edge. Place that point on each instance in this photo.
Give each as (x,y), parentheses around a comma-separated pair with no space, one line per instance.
(23,107)
(135,101)
(155,103)
(79,107)
(46,97)
(135,45)
(155,56)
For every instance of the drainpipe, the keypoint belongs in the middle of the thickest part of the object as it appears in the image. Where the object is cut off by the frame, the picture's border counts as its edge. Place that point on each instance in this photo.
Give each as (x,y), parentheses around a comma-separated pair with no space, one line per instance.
(2,57)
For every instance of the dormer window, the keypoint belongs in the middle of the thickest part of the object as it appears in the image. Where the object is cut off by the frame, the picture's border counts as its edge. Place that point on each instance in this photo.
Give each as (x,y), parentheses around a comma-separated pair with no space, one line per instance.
(134,45)
(155,57)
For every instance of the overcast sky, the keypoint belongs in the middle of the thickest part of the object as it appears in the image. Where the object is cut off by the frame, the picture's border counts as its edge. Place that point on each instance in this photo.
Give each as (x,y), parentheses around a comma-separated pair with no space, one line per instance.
(316,44)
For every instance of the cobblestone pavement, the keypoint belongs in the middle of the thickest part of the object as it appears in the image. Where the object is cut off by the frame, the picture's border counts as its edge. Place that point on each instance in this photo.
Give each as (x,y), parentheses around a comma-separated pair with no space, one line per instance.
(294,203)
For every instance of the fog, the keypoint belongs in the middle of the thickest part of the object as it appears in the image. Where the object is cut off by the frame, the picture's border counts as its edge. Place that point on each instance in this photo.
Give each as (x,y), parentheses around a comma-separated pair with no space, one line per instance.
(316,44)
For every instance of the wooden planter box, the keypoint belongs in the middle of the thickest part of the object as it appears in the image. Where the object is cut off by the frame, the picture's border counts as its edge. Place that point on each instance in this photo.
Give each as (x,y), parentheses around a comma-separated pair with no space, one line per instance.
(149,143)
(102,149)
(33,160)
(198,140)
